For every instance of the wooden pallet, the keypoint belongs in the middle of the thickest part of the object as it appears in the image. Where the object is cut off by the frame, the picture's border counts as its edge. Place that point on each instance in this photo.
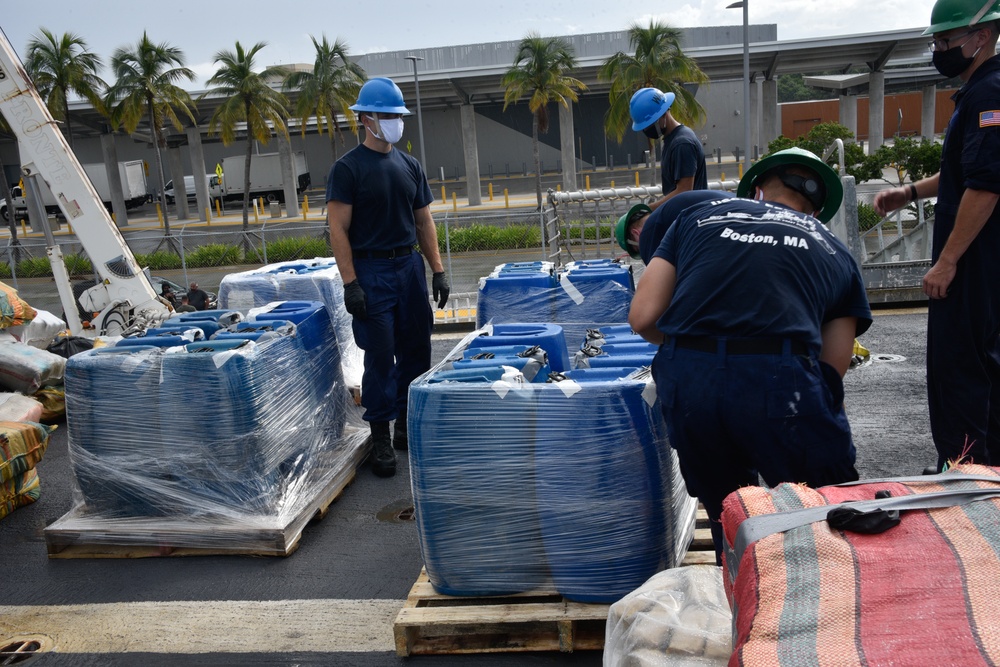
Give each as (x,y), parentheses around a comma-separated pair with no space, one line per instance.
(77,535)
(430,623)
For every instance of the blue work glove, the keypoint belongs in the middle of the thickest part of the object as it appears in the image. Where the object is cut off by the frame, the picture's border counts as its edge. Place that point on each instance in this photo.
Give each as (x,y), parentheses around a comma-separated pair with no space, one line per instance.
(440,289)
(354,300)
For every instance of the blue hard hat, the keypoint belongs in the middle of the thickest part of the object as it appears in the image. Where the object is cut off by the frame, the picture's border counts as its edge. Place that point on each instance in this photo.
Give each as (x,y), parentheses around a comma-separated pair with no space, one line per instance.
(647,105)
(380,95)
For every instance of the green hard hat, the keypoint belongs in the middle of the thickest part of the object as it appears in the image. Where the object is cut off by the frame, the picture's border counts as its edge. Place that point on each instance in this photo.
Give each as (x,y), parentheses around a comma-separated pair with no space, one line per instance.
(621,229)
(950,14)
(798,156)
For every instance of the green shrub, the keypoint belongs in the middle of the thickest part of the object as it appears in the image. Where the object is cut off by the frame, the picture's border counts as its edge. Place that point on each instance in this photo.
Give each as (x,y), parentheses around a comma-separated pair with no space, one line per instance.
(159,260)
(5,270)
(287,249)
(214,254)
(489,237)
(77,265)
(867,216)
(573,230)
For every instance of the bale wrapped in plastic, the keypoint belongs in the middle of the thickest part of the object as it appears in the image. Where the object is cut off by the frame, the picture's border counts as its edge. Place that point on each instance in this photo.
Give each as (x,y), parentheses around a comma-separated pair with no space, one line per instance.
(18,492)
(569,486)
(612,502)
(24,368)
(221,428)
(898,571)
(679,618)
(315,279)
(19,408)
(22,446)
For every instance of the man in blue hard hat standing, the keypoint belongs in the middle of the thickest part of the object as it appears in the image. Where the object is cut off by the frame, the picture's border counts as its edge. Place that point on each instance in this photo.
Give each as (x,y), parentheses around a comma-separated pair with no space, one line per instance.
(683,165)
(378,208)
(963,283)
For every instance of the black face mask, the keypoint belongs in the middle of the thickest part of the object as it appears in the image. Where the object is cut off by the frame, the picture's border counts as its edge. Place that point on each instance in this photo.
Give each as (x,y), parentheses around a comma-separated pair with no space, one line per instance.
(951,63)
(652,131)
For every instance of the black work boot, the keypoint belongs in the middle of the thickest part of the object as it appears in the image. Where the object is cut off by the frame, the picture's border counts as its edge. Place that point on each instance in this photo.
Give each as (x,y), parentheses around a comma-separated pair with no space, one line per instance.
(383,458)
(399,440)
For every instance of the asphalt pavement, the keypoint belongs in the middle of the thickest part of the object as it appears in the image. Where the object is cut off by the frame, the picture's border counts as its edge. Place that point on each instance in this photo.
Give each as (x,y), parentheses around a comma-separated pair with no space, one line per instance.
(333,600)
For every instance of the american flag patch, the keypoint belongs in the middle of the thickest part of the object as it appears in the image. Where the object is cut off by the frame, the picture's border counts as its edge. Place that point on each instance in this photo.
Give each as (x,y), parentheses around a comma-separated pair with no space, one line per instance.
(989,118)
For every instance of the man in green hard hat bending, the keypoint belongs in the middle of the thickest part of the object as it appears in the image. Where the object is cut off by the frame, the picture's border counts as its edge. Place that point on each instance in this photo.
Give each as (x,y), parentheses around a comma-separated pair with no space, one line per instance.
(963,283)
(755,305)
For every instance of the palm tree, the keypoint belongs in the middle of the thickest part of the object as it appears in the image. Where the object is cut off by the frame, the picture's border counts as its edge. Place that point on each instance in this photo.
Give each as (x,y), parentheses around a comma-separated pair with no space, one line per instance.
(61,66)
(658,62)
(250,100)
(539,72)
(328,90)
(145,89)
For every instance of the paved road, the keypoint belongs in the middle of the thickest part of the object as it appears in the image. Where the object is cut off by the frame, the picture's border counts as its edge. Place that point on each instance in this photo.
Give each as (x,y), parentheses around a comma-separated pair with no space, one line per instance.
(331,602)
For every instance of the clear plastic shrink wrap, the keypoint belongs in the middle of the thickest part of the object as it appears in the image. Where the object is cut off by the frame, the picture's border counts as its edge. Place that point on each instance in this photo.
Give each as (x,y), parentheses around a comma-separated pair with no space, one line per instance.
(207,442)
(583,295)
(315,279)
(679,618)
(565,482)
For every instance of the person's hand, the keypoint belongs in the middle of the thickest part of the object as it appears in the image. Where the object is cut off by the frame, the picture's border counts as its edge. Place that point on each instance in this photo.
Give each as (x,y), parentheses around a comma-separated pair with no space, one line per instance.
(890,200)
(440,288)
(938,279)
(354,300)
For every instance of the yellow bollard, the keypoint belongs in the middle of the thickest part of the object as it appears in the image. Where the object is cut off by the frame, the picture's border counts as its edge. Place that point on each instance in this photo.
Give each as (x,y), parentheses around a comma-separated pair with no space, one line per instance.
(305,206)
(444,197)
(722,176)
(636,178)
(113,219)
(24,229)
(612,185)
(741,170)
(586,180)
(255,218)
(454,201)
(159,214)
(558,187)
(491,192)
(506,199)
(218,208)
(208,215)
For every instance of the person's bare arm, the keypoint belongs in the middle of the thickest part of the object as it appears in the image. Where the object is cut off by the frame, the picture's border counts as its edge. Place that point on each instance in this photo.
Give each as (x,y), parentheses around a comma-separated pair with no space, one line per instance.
(427,238)
(652,297)
(338,216)
(685,184)
(838,343)
(974,210)
(893,199)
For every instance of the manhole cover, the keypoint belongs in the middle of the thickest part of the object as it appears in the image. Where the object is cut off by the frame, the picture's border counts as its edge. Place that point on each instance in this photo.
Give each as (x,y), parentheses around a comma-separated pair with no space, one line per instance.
(888,358)
(22,650)
(401,510)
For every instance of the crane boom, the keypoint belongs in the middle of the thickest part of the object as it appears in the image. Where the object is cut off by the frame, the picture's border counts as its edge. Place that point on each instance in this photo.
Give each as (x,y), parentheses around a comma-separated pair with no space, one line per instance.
(125,296)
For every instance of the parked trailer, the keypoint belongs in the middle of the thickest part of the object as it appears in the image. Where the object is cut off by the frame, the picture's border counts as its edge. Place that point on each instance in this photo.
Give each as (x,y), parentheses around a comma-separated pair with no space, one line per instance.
(133,178)
(265,175)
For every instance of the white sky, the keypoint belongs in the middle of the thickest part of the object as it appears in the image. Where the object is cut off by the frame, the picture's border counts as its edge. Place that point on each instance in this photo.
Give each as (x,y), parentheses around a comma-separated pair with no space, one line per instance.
(201,29)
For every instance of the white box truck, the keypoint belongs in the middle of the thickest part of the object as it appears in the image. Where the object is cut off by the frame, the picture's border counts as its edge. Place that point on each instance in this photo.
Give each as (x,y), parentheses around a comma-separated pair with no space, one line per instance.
(265,175)
(133,175)
(212,183)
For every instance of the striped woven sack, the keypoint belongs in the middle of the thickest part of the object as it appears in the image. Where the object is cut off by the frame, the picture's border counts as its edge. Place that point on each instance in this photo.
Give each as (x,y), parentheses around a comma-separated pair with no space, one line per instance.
(924,592)
(19,492)
(14,311)
(22,445)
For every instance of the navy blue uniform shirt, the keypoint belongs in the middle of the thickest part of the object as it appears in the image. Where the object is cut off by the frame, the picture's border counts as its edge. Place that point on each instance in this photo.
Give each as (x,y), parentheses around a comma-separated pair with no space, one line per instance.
(683,157)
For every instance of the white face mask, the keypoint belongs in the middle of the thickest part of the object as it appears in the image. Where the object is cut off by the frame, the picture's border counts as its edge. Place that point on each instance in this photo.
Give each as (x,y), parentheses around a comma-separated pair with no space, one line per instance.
(391,129)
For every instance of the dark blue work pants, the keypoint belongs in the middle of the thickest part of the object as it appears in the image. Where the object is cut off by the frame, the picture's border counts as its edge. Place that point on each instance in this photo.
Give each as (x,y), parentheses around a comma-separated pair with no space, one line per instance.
(396,335)
(963,360)
(731,417)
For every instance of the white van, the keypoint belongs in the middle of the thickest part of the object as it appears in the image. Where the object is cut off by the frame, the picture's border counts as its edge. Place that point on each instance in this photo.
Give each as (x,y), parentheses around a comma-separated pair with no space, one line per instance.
(212,180)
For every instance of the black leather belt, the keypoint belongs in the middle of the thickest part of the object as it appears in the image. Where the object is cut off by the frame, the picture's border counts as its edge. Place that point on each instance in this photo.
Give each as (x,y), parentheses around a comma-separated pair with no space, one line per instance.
(737,345)
(383,254)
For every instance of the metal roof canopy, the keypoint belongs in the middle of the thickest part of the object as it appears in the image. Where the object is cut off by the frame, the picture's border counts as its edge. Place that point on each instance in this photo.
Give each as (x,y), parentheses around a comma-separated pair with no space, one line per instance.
(448,88)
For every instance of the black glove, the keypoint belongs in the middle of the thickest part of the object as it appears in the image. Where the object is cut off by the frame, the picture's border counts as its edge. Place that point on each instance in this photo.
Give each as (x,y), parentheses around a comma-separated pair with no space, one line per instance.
(440,289)
(354,300)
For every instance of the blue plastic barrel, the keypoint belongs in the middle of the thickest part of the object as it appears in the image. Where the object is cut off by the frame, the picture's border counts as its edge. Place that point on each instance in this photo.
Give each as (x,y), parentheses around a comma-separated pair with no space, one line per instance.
(549,337)
(516,293)
(209,321)
(601,295)
(602,462)
(533,362)
(471,448)
(161,340)
(115,420)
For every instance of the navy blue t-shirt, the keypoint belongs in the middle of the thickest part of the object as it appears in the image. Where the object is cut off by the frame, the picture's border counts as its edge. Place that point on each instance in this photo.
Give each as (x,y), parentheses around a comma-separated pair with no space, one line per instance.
(683,156)
(749,269)
(659,221)
(384,190)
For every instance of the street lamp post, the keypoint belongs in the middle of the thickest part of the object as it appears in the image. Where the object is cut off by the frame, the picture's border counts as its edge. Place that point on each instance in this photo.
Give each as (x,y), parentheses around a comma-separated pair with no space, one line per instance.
(746,80)
(420,120)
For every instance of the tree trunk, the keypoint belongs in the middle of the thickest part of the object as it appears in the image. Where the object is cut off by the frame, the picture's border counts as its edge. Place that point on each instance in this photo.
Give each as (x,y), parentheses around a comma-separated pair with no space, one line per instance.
(246,185)
(534,154)
(69,125)
(333,140)
(157,138)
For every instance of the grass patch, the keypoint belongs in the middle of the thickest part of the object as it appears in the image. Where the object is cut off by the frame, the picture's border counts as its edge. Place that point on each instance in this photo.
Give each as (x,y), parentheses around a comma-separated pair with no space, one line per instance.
(488,237)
